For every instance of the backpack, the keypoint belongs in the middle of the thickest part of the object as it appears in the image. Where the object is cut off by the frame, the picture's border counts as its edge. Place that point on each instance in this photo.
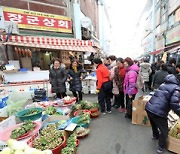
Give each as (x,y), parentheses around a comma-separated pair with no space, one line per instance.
(139,81)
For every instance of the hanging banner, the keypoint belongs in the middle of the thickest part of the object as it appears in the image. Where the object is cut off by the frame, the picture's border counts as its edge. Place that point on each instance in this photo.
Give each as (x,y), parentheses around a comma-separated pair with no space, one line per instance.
(37,20)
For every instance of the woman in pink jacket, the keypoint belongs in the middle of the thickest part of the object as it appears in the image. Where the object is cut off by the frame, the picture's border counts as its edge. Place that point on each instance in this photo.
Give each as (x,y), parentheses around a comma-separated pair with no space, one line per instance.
(130,84)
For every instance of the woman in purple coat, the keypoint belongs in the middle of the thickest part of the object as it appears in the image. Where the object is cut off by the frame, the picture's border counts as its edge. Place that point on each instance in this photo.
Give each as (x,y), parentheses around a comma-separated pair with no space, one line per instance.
(130,84)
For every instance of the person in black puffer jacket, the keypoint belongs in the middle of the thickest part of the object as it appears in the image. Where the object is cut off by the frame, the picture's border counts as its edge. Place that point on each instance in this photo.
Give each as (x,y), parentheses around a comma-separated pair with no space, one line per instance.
(57,78)
(167,97)
(76,75)
(172,66)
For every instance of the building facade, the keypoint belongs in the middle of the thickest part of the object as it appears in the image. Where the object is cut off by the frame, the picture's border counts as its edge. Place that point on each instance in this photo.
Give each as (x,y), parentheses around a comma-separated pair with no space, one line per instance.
(161,32)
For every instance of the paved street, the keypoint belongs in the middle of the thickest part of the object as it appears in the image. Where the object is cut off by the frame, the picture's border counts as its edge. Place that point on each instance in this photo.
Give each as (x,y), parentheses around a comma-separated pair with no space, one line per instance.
(114,134)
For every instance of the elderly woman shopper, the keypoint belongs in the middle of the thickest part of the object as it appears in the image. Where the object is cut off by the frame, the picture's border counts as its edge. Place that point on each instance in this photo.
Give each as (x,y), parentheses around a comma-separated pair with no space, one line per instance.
(130,84)
(104,86)
(117,76)
(76,75)
(58,77)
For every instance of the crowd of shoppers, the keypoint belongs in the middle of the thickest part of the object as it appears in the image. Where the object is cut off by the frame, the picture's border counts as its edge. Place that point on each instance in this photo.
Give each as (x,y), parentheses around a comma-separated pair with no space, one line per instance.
(117,80)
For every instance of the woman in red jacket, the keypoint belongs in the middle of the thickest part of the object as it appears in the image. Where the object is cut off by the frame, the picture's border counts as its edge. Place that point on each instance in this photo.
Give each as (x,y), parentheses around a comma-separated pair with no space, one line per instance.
(104,86)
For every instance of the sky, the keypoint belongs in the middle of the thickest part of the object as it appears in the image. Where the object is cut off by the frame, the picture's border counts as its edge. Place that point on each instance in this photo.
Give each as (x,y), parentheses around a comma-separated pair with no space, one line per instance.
(124,16)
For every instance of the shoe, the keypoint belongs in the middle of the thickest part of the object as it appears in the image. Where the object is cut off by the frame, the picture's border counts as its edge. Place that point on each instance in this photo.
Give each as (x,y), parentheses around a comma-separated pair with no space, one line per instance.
(124,110)
(160,150)
(121,110)
(109,112)
(103,112)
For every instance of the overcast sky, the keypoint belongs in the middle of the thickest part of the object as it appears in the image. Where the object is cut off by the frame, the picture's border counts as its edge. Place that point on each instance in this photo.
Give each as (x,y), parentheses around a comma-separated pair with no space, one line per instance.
(124,16)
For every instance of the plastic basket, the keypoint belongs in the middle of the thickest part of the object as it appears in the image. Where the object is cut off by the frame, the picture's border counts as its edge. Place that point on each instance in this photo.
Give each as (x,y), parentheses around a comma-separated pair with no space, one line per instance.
(21,116)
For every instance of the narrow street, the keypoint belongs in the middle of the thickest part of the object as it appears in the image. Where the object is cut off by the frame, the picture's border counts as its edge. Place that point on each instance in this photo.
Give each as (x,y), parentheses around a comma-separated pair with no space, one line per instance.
(114,134)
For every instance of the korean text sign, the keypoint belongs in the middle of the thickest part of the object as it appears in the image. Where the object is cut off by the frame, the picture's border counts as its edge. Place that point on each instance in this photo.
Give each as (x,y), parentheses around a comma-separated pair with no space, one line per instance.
(38,21)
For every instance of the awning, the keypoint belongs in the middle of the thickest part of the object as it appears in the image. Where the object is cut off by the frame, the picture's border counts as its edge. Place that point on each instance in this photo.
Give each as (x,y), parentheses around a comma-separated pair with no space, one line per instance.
(174,49)
(49,43)
(157,52)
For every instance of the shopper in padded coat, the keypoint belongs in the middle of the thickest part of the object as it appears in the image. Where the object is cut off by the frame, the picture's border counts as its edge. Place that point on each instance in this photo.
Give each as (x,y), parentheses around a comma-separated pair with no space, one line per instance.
(167,97)
(58,77)
(76,75)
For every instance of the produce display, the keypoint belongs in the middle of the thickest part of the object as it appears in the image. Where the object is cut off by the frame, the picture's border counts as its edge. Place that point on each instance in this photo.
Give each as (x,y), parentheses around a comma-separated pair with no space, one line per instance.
(49,138)
(71,145)
(31,112)
(68,99)
(83,118)
(52,110)
(175,130)
(81,132)
(16,147)
(27,126)
(85,105)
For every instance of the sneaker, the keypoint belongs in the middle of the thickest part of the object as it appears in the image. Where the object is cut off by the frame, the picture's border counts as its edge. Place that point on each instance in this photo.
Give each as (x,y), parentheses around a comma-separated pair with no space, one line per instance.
(109,112)
(121,110)
(125,110)
(103,113)
(160,150)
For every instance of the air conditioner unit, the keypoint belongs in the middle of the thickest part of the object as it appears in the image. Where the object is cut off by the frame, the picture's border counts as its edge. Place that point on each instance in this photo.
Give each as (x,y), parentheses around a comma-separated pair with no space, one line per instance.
(11,27)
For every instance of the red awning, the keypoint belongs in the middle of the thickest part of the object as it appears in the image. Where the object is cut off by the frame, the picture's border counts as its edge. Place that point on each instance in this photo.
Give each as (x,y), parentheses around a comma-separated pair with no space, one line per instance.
(157,52)
(49,43)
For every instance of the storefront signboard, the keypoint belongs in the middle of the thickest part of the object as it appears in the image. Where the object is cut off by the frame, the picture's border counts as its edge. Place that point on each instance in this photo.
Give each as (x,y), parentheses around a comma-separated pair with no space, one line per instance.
(37,20)
(173,35)
(177,15)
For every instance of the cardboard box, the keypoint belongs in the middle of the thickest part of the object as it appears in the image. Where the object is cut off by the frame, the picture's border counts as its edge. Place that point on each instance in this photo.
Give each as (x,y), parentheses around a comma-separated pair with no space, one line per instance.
(139,115)
(173,144)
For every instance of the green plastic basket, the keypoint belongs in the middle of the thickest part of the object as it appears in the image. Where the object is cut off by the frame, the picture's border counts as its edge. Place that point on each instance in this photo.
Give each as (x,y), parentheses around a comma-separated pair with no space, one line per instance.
(33,117)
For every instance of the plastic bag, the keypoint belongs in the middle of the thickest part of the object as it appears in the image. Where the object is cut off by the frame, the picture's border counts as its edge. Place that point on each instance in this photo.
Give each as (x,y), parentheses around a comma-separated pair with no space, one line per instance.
(16,101)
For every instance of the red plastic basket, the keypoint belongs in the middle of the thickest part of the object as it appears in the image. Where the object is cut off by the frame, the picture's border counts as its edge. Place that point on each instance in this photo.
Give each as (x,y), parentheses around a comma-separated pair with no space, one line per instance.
(81,111)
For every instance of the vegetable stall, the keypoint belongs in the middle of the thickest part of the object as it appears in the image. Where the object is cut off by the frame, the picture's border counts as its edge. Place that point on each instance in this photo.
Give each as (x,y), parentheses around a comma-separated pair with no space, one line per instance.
(51,127)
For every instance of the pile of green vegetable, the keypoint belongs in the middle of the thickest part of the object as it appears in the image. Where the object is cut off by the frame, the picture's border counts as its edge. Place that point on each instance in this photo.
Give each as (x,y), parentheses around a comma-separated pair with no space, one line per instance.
(31,112)
(49,138)
(85,105)
(71,145)
(83,118)
(27,126)
(52,110)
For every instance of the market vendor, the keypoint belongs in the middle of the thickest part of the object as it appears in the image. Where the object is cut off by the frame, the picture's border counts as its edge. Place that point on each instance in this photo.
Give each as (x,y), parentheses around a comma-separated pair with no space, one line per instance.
(58,77)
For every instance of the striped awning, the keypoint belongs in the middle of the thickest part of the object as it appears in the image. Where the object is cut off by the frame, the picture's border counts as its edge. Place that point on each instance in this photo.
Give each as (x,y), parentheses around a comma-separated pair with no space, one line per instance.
(49,43)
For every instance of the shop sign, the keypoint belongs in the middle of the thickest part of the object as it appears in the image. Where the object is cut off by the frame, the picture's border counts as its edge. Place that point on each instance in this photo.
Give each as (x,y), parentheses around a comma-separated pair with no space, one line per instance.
(37,20)
(177,15)
(173,35)
(159,43)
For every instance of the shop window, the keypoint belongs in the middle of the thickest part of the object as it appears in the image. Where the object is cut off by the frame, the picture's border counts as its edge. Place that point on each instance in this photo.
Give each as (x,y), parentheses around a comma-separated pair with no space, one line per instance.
(171,21)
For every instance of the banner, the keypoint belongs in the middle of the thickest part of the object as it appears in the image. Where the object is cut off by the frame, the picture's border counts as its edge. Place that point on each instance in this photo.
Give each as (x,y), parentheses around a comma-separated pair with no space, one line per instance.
(37,20)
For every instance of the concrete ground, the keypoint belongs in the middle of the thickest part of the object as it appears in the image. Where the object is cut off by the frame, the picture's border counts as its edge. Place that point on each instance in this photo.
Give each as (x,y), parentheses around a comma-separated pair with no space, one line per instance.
(114,134)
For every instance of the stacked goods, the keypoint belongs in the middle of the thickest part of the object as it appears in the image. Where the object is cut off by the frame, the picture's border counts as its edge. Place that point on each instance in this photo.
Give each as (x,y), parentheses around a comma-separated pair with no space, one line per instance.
(16,147)
(68,100)
(26,127)
(52,110)
(49,138)
(175,130)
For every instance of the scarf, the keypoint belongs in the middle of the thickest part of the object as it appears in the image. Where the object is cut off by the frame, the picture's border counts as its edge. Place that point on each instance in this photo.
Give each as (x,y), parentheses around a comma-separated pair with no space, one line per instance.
(118,78)
(75,69)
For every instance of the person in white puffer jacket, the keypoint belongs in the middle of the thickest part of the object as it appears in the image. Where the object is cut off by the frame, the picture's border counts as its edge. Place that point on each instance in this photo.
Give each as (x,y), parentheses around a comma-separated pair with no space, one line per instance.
(145,71)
